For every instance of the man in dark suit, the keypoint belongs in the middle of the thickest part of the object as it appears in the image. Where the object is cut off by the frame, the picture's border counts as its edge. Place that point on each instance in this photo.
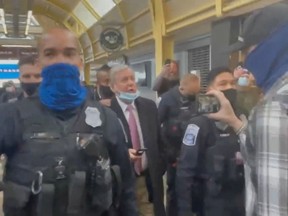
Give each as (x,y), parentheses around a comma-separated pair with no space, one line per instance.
(139,119)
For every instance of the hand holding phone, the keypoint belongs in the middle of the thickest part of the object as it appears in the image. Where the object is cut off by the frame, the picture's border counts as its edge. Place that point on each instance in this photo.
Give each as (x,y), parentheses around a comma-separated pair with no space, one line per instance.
(141,151)
(207,104)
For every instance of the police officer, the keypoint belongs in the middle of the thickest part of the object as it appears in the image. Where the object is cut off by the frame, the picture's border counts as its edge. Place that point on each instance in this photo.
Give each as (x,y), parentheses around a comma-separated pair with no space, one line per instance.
(210,179)
(61,147)
(176,106)
(30,75)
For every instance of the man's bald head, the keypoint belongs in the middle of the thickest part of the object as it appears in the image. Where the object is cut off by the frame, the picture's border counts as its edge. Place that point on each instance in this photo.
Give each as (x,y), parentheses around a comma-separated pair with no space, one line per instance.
(57,31)
(189,84)
(59,45)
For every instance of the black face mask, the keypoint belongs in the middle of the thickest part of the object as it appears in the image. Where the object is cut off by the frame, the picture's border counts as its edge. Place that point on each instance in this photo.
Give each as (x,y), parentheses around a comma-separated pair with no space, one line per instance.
(231,95)
(105,92)
(29,88)
(186,101)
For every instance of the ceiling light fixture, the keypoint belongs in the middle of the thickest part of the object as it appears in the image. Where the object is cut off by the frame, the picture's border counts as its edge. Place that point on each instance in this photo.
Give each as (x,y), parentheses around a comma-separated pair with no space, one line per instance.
(29,15)
(2,15)
(15,45)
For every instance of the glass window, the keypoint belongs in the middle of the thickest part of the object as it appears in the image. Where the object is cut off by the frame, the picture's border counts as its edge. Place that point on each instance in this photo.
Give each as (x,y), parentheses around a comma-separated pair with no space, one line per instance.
(142,71)
(84,15)
(100,7)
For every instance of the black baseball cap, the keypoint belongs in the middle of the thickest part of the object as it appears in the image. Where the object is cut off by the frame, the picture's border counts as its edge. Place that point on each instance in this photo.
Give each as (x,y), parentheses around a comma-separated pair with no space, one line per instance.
(260,24)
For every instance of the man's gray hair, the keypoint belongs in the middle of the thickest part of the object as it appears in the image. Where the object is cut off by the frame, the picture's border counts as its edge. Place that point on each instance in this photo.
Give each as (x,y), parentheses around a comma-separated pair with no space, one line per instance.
(116,69)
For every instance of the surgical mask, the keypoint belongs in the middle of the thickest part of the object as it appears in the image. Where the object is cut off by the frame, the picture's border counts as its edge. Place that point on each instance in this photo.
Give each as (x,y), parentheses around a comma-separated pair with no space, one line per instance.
(243,81)
(30,88)
(231,95)
(128,97)
(61,88)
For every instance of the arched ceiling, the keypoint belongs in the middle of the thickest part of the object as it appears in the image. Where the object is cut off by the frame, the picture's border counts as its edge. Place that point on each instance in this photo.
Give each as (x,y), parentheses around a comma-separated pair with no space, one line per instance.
(22,21)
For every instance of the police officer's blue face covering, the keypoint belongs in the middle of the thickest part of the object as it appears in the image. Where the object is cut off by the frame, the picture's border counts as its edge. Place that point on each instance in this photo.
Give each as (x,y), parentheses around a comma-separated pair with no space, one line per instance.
(61,88)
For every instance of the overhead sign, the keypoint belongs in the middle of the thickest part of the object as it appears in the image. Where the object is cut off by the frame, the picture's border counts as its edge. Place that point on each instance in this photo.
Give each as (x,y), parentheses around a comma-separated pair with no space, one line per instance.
(9,69)
(16,52)
(111,40)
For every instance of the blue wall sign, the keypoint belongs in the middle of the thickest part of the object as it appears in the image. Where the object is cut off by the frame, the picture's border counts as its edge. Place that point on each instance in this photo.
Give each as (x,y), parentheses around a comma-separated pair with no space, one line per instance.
(9,71)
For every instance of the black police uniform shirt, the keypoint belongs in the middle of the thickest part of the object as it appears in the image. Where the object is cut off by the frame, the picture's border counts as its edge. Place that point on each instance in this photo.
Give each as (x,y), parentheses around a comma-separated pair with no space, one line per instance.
(11,138)
(199,136)
(174,113)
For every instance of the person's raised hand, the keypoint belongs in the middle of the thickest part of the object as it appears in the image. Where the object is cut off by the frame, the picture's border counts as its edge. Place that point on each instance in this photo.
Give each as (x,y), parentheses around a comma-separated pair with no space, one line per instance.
(165,72)
(226,113)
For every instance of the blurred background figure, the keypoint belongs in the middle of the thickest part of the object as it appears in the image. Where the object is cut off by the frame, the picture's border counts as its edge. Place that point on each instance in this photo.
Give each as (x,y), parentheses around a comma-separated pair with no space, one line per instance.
(30,76)
(168,78)
(9,92)
(248,93)
(102,91)
(175,108)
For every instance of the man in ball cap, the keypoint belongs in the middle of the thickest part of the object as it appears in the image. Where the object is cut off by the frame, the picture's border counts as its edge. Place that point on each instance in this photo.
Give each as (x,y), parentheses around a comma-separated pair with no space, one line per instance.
(264,144)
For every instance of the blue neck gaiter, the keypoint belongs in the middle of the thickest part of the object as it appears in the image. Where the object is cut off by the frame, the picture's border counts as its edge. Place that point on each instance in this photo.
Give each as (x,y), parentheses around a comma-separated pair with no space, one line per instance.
(269,61)
(61,88)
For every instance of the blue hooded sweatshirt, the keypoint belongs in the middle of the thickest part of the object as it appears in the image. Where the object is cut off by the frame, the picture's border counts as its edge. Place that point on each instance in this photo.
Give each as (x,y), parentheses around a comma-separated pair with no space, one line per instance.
(268,62)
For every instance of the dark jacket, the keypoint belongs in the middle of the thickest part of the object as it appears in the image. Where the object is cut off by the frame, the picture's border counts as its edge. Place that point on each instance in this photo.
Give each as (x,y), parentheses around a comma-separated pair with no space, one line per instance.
(12,139)
(203,142)
(174,111)
(148,118)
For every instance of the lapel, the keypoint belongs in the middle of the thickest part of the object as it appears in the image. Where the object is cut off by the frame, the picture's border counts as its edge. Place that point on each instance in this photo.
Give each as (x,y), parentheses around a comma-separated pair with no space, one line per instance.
(117,109)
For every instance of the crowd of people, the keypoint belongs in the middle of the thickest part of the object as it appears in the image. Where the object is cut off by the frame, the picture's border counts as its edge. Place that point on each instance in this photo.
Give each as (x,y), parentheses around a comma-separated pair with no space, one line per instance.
(102,149)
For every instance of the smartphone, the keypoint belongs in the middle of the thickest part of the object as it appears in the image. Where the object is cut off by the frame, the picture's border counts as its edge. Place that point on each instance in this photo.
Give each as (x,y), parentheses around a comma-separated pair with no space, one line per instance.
(141,151)
(207,104)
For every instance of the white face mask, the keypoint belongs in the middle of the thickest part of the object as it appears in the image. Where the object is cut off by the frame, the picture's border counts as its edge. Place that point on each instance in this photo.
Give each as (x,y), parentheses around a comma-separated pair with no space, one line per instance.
(243,81)
(128,97)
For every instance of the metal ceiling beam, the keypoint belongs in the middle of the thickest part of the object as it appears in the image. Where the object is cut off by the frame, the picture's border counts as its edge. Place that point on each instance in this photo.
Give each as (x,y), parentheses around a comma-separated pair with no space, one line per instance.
(16,41)
(16,8)
(30,4)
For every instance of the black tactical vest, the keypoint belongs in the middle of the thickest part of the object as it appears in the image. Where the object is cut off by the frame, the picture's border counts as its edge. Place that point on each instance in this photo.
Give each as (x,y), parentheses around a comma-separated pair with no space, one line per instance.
(62,166)
(224,170)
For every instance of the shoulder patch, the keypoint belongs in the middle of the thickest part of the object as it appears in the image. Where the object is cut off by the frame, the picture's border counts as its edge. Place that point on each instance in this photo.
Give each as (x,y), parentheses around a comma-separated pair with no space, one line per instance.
(190,135)
(92,117)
